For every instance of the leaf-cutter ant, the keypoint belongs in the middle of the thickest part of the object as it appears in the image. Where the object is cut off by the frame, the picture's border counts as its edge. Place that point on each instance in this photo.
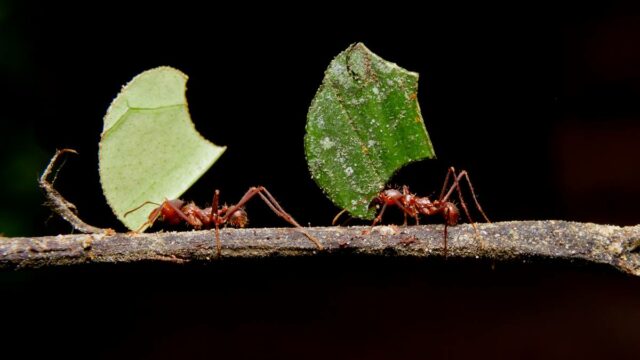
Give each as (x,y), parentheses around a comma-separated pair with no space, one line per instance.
(414,206)
(177,211)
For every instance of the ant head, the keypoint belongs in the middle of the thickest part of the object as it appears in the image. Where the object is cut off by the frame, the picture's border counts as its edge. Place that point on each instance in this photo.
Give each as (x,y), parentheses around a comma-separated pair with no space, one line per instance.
(239,218)
(389,196)
(169,211)
(451,213)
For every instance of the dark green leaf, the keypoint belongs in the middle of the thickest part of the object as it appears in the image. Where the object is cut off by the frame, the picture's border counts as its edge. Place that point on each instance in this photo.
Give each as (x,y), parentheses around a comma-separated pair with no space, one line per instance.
(363,125)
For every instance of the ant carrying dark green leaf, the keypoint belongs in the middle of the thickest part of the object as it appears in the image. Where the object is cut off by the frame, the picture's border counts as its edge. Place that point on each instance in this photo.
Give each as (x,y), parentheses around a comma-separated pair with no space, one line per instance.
(413,205)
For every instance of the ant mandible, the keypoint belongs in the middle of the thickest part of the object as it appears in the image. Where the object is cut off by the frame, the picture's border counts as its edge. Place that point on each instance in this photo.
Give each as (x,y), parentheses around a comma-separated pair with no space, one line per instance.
(176,211)
(414,206)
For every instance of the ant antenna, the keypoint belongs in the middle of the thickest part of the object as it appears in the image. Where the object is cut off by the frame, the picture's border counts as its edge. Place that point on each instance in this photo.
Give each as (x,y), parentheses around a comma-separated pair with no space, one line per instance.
(141,205)
(337,217)
(155,214)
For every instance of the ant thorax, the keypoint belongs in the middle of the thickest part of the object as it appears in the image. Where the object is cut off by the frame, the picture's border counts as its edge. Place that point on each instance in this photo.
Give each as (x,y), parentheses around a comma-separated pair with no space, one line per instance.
(423,202)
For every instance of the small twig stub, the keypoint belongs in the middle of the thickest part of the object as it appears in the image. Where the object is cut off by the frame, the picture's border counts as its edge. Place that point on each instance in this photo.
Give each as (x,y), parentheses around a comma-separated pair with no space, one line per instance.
(61,206)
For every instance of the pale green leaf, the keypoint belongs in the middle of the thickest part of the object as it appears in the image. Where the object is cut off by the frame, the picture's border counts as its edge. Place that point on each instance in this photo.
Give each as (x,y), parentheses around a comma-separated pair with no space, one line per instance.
(150,149)
(363,125)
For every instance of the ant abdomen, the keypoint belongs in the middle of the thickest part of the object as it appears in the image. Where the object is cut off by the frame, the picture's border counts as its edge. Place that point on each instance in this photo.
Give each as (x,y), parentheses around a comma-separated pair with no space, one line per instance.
(238,219)
(451,213)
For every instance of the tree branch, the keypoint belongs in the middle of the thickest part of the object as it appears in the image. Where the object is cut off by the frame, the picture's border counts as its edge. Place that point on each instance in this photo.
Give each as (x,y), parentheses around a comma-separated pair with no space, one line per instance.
(616,246)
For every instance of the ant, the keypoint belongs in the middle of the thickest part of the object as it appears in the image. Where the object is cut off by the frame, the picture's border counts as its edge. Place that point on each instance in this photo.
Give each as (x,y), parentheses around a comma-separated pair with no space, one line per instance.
(414,206)
(176,211)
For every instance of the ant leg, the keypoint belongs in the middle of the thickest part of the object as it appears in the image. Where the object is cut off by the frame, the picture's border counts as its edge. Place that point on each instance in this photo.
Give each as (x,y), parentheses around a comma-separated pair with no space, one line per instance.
(456,185)
(155,214)
(218,244)
(180,213)
(446,181)
(177,210)
(407,213)
(446,235)
(379,217)
(405,193)
(399,205)
(273,204)
(444,195)
(270,201)
(214,218)
(473,195)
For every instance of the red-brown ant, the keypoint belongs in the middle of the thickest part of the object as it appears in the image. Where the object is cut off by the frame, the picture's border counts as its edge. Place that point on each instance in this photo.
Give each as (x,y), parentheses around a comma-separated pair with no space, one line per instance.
(177,211)
(414,206)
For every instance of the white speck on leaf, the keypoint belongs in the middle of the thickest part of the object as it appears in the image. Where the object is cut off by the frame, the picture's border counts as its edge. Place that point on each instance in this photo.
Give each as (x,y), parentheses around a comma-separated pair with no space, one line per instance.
(338,69)
(348,171)
(358,101)
(326,143)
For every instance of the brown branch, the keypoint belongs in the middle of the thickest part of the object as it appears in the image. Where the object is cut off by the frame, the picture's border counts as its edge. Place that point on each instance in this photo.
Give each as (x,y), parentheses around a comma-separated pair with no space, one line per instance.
(605,244)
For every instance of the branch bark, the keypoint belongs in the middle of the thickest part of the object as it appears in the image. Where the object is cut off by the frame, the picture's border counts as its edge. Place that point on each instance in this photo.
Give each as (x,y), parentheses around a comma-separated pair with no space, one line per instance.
(612,245)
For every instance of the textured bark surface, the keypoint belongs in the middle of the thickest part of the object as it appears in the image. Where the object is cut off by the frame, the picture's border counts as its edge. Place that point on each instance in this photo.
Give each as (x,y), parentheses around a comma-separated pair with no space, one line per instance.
(613,245)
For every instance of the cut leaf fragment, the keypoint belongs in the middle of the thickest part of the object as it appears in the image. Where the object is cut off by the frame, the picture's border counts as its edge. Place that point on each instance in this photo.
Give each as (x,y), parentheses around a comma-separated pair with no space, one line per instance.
(364,124)
(149,148)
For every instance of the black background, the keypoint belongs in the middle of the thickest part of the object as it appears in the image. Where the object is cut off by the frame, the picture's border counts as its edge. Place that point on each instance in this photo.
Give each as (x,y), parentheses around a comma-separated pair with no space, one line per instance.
(539,103)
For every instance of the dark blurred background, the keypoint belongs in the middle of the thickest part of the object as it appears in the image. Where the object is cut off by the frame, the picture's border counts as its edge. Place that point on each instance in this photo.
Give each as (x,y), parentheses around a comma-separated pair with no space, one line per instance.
(540,103)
